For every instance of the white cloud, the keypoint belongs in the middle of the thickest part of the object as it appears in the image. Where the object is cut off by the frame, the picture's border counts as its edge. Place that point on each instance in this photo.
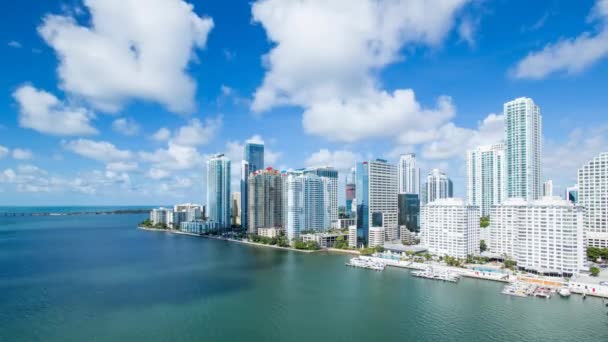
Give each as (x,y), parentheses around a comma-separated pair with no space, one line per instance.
(4,151)
(15,44)
(174,157)
(157,174)
(451,141)
(122,166)
(326,59)
(256,139)
(133,49)
(569,55)
(42,111)
(466,31)
(197,133)
(125,126)
(22,154)
(163,134)
(97,150)
(342,160)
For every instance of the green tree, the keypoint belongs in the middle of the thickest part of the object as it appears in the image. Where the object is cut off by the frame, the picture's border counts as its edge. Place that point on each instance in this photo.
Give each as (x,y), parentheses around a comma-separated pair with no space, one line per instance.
(428,256)
(594,271)
(510,264)
(484,222)
(482,246)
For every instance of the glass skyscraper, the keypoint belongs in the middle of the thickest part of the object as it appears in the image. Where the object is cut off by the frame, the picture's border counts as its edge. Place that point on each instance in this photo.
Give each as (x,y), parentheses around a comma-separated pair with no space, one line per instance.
(331,202)
(218,190)
(253,160)
(523,130)
(486,177)
(409,212)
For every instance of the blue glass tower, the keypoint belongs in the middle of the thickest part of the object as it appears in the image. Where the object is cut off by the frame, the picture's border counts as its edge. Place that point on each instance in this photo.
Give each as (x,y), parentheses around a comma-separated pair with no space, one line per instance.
(362,185)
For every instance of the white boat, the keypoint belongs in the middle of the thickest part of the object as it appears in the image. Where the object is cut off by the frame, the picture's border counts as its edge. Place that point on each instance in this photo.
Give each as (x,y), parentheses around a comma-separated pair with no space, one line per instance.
(429,273)
(564,292)
(366,263)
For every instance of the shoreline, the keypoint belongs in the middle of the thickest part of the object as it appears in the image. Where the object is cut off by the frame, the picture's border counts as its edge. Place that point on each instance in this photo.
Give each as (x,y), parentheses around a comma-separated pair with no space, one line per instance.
(504,278)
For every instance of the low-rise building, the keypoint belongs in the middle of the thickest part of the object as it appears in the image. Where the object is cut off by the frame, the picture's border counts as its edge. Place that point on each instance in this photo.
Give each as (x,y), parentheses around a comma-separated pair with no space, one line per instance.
(325,239)
(344,223)
(199,227)
(271,232)
(376,236)
(160,216)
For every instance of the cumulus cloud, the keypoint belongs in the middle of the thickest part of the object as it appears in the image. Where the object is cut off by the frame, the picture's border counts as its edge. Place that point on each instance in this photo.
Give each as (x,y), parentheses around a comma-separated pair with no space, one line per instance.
(174,157)
(125,126)
(163,134)
(42,111)
(157,174)
(102,151)
(122,166)
(452,141)
(326,57)
(133,49)
(197,133)
(22,154)
(571,55)
(15,44)
(343,160)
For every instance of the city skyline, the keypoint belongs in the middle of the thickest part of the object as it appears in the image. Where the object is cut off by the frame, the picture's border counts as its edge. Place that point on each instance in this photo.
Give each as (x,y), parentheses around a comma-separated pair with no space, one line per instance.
(142,137)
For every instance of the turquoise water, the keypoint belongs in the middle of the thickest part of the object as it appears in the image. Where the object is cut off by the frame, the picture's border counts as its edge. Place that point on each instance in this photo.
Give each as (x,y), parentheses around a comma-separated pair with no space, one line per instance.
(82,278)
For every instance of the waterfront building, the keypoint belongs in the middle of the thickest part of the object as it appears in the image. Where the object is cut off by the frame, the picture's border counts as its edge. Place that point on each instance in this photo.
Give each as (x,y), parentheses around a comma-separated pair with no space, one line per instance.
(271,232)
(450,226)
(199,227)
(376,236)
(352,236)
(187,212)
(438,185)
(548,188)
(593,196)
(409,174)
(409,213)
(218,190)
(305,204)
(331,190)
(572,193)
(236,208)
(325,239)
(161,216)
(377,194)
(253,160)
(523,131)
(265,200)
(486,176)
(545,236)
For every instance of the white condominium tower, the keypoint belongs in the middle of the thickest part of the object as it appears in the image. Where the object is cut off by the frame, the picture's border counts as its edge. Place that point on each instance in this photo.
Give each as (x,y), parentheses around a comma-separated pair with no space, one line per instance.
(305,204)
(450,226)
(548,188)
(438,185)
(523,131)
(593,196)
(486,177)
(331,176)
(409,175)
(218,190)
(544,236)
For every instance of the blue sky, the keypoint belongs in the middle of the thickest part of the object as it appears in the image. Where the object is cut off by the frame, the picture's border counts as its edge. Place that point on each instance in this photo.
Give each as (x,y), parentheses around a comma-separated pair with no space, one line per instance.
(114,102)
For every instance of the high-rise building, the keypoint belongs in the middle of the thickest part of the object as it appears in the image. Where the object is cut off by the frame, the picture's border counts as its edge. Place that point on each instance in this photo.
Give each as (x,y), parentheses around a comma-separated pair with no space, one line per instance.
(305,204)
(409,212)
(593,196)
(450,226)
(523,131)
(486,177)
(253,160)
(350,191)
(218,190)
(438,185)
(548,188)
(244,196)
(409,174)
(331,202)
(235,206)
(544,236)
(572,193)
(265,192)
(377,194)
